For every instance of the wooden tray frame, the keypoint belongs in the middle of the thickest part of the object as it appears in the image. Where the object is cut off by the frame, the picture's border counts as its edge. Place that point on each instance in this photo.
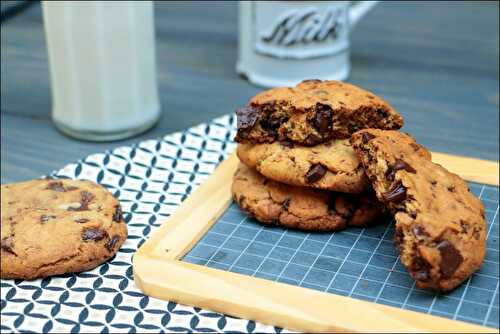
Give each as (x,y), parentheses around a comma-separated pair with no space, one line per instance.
(159,271)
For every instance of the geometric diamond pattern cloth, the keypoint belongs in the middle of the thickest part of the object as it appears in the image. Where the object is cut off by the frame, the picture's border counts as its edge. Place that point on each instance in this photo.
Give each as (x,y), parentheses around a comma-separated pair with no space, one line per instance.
(151,179)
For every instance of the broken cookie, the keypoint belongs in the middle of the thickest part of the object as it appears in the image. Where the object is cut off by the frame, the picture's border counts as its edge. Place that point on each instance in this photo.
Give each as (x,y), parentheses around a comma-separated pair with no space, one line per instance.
(313,112)
(440,224)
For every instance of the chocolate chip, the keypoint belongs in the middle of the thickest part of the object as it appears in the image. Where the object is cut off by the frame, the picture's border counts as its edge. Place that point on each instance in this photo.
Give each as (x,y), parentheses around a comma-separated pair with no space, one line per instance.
(312,139)
(464,226)
(451,189)
(315,173)
(81,220)
(7,245)
(118,215)
(398,165)
(419,231)
(366,137)
(396,193)
(85,199)
(286,203)
(246,118)
(450,258)
(46,218)
(322,119)
(286,143)
(413,214)
(346,205)
(93,234)
(348,213)
(415,146)
(311,81)
(271,124)
(418,264)
(433,183)
(56,186)
(399,237)
(110,245)
(332,207)
(381,112)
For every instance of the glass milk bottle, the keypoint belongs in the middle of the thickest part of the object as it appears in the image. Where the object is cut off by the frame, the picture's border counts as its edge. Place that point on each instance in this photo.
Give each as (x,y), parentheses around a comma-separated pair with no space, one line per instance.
(102,67)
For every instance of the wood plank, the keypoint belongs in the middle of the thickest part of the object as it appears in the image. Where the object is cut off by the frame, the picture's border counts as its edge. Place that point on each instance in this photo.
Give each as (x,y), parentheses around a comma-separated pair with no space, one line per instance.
(441,74)
(158,271)
(470,169)
(281,304)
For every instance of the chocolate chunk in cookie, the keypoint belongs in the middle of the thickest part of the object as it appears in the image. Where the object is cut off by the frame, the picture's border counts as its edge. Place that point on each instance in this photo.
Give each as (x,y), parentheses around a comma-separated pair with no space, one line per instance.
(322,119)
(246,118)
(450,258)
(110,245)
(93,234)
(315,173)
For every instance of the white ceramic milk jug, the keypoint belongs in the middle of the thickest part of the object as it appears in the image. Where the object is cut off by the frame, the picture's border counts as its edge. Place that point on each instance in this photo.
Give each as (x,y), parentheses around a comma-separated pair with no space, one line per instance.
(102,67)
(284,42)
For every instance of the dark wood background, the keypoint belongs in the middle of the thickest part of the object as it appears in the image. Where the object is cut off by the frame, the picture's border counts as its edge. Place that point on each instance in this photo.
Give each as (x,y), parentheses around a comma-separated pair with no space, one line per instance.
(437,63)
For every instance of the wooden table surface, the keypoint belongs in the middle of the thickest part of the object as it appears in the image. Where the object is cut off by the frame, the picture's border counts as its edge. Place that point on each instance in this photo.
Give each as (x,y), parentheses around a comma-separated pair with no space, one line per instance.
(436,63)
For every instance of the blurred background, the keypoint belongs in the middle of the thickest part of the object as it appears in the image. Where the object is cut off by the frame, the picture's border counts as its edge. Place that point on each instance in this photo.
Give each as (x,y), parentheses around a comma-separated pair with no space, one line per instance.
(437,63)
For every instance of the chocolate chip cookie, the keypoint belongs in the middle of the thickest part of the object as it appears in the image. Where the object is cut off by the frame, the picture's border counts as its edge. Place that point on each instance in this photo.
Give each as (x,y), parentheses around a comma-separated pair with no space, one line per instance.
(313,112)
(309,209)
(51,227)
(440,224)
(332,165)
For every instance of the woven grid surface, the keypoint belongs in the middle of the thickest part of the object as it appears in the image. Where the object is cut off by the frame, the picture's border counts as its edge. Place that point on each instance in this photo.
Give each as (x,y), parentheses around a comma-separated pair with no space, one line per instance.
(151,179)
(360,263)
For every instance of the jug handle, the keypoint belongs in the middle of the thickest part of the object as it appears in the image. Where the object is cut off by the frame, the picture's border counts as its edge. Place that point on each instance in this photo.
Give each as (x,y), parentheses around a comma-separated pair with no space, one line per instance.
(358,10)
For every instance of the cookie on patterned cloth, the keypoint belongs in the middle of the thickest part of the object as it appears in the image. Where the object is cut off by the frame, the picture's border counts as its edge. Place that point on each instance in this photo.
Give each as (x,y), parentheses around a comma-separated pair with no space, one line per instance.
(51,227)
(313,112)
(309,209)
(440,224)
(331,166)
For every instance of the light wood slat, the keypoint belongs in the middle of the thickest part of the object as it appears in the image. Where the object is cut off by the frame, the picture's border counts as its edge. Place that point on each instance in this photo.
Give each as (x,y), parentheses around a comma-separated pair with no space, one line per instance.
(470,169)
(158,272)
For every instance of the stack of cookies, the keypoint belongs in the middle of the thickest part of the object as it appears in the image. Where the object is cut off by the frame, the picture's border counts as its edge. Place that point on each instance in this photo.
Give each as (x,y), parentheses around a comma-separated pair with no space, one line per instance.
(298,167)
(325,155)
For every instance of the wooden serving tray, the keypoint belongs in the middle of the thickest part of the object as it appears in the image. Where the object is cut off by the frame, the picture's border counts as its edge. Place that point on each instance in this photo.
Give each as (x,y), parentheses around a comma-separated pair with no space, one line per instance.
(160,272)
